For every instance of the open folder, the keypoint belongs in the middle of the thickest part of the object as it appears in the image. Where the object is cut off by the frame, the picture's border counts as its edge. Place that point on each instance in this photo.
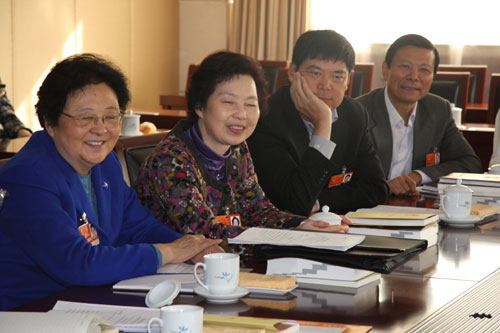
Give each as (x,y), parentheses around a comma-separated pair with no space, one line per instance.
(375,253)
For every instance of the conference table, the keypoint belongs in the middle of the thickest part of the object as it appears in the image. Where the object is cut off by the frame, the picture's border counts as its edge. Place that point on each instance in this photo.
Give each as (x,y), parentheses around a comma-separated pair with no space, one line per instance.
(429,281)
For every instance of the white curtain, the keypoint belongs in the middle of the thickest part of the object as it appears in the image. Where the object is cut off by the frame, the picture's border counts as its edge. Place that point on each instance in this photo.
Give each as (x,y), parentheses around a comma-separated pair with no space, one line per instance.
(267,29)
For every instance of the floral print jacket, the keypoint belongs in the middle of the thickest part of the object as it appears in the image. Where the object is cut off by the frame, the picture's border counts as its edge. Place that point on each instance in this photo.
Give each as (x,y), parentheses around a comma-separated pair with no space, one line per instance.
(176,186)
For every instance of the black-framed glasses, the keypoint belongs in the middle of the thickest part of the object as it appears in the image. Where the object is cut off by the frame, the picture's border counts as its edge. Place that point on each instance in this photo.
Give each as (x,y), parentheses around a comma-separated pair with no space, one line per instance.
(336,76)
(111,120)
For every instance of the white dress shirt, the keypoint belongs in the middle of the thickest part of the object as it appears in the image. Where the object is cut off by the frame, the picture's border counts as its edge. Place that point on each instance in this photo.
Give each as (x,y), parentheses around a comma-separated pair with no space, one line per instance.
(402,142)
(321,144)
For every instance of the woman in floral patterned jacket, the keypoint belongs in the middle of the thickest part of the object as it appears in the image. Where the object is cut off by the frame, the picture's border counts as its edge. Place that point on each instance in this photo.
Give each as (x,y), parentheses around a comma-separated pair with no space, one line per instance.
(200,178)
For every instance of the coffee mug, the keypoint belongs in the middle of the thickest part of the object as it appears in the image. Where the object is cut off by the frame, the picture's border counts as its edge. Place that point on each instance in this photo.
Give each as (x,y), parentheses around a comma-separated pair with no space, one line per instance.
(179,318)
(131,124)
(222,273)
(456,204)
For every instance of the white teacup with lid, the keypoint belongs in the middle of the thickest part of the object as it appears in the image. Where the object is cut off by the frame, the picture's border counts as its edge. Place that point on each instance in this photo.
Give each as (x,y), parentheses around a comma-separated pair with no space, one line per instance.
(326,216)
(456,201)
(131,124)
(456,113)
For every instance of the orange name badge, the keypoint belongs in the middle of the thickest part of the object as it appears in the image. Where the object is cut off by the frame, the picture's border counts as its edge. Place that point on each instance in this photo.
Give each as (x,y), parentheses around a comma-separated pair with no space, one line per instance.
(432,158)
(336,180)
(232,220)
(89,232)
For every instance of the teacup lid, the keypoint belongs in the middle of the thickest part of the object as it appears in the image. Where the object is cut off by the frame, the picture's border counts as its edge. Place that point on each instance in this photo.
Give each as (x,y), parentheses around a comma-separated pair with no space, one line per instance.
(326,216)
(131,113)
(458,187)
(494,169)
(163,293)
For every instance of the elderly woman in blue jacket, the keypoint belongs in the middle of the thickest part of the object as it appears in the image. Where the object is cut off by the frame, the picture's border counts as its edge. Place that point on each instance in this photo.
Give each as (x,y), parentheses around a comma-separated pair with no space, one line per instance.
(68,218)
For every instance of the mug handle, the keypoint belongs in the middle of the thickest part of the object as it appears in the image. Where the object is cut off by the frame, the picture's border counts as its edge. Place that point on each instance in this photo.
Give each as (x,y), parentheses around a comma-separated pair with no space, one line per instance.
(152,320)
(202,265)
(443,197)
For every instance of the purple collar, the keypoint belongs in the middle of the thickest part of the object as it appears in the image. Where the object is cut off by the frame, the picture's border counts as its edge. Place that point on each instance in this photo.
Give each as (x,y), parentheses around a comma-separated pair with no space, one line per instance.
(214,162)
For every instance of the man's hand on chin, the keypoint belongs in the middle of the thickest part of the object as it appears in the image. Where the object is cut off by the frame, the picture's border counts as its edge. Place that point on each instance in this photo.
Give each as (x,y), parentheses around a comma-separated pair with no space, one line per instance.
(311,107)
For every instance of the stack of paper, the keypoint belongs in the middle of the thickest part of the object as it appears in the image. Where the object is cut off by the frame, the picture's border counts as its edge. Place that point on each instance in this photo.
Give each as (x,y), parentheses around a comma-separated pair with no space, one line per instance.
(286,237)
(365,299)
(411,223)
(317,275)
(430,189)
(483,184)
(55,322)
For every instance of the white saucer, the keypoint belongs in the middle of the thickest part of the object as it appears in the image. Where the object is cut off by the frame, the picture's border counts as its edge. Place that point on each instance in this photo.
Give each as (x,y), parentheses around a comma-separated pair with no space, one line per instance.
(467,222)
(127,136)
(221,299)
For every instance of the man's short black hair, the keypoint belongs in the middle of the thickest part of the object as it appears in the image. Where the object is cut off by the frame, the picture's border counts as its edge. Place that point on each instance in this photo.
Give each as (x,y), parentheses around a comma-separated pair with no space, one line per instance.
(324,45)
(411,40)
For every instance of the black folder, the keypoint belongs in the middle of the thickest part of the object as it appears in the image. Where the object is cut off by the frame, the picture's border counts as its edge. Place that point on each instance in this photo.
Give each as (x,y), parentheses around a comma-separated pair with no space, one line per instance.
(375,253)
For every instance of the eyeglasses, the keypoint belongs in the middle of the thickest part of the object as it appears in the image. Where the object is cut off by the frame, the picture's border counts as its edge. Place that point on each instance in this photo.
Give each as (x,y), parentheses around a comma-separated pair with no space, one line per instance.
(111,120)
(316,74)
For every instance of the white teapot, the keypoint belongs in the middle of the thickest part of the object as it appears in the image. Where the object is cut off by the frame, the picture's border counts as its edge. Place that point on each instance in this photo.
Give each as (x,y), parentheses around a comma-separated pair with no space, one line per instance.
(456,201)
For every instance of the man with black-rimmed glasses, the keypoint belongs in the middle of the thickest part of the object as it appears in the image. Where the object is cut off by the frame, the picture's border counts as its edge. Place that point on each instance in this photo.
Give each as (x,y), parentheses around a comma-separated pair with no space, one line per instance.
(313,147)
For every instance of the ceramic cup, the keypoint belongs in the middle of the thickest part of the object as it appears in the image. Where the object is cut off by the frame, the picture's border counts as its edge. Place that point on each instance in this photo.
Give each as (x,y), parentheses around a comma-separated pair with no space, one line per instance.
(131,124)
(179,318)
(457,115)
(456,201)
(222,273)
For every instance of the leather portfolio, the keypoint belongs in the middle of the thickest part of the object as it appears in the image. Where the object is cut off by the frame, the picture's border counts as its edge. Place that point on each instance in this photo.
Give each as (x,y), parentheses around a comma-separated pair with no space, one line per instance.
(375,253)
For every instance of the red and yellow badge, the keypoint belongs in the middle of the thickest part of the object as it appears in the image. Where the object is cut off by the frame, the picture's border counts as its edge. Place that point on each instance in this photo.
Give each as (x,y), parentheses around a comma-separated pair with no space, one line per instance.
(231,220)
(340,179)
(432,158)
(88,231)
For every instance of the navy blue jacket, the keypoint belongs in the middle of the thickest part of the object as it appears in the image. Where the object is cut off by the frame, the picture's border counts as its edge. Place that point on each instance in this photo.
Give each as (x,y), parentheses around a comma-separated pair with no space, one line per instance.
(41,249)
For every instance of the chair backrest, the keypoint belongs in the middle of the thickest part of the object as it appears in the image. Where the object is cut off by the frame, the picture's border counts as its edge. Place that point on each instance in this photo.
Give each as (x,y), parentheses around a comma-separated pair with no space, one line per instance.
(6,154)
(282,79)
(494,99)
(133,150)
(477,83)
(447,89)
(271,70)
(191,70)
(454,86)
(360,81)
(178,102)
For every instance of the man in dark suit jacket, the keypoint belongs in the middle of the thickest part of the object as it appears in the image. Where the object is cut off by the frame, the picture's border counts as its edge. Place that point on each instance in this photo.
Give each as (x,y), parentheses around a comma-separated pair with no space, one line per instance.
(413,131)
(313,148)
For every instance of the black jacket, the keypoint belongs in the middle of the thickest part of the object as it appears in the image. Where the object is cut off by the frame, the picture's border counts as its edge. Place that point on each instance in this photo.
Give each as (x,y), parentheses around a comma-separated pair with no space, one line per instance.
(294,176)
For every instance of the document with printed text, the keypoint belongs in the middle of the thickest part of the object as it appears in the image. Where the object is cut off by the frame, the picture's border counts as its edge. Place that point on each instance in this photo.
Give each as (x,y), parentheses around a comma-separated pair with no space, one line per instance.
(285,237)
